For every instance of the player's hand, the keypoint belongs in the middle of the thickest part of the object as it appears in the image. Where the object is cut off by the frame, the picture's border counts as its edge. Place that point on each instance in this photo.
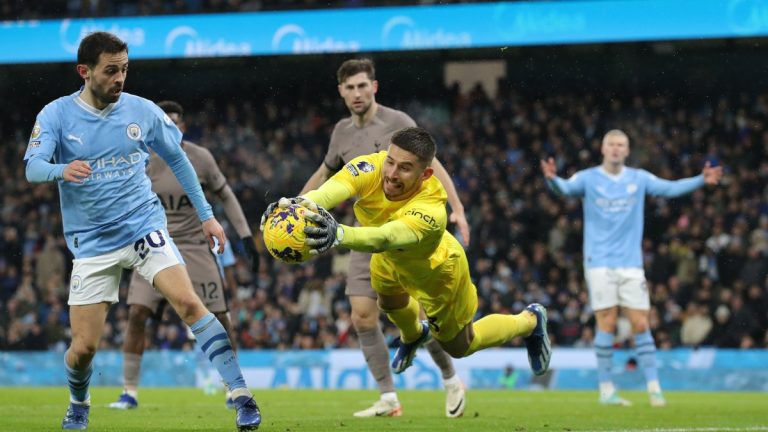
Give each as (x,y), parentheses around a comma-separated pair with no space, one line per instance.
(253,254)
(712,175)
(548,168)
(326,235)
(285,203)
(460,219)
(211,229)
(77,171)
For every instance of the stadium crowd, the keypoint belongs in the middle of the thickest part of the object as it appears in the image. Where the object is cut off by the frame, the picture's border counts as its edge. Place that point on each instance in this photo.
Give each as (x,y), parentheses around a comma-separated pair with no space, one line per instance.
(706,254)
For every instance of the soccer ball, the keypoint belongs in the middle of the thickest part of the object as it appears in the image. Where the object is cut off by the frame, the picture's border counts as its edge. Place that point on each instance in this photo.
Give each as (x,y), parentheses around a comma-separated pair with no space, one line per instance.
(284,234)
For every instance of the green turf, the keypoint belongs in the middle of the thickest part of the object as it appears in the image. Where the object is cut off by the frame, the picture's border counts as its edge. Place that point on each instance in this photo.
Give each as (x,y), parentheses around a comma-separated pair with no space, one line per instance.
(41,409)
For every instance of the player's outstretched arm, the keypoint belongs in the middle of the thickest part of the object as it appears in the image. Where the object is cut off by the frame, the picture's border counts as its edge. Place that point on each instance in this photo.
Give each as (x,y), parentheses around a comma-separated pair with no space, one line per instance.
(712,175)
(673,188)
(548,168)
(328,234)
(571,187)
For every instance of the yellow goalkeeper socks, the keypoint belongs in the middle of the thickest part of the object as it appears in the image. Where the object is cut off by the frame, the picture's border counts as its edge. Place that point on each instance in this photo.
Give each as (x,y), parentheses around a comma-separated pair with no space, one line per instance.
(407,320)
(494,330)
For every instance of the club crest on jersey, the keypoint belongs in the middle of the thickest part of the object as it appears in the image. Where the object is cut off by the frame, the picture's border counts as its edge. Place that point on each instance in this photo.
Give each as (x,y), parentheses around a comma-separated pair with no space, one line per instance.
(631,188)
(365,166)
(134,131)
(352,170)
(36,129)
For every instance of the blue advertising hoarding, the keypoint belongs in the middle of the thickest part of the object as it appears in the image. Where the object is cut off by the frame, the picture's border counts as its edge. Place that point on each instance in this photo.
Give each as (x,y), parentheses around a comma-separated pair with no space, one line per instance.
(704,369)
(391,28)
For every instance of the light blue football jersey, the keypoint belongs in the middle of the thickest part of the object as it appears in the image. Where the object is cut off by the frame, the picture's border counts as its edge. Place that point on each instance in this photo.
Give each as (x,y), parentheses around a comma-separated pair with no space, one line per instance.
(114,206)
(613,211)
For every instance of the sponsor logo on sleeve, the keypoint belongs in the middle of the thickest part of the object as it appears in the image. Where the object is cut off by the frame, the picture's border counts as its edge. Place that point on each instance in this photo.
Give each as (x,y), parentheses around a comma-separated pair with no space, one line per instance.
(365,166)
(34,144)
(352,170)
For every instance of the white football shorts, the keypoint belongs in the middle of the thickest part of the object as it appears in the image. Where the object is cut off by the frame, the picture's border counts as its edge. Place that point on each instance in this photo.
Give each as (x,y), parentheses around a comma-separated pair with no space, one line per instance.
(625,287)
(97,279)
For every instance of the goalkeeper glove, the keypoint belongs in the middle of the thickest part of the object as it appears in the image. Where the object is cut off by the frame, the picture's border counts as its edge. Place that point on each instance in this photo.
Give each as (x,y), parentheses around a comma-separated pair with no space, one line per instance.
(285,203)
(327,234)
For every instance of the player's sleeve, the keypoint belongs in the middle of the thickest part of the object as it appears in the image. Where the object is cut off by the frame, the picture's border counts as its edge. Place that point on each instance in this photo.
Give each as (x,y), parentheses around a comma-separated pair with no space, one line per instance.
(333,160)
(354,179)
(330,194)
(166,141)
(416,223)
(42,145)
(670,188)
(392,235)
(574,186)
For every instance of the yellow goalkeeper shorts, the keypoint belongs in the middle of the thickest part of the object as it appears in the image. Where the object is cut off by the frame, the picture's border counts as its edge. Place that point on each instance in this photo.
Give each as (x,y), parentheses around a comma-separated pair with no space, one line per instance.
(446,293)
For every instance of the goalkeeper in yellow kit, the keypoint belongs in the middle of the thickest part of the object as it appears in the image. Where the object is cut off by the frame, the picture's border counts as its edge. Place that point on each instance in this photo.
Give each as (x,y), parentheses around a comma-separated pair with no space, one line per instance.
(401,207)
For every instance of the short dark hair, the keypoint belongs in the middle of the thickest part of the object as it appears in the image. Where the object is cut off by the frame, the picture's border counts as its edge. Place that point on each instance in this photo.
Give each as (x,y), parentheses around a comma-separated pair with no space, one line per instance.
(96,43)
(354,67)
(171,107)
(417,141)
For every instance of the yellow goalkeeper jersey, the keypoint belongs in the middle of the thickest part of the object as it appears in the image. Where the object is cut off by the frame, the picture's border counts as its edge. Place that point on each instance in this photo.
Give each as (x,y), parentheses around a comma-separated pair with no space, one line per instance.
(410,233)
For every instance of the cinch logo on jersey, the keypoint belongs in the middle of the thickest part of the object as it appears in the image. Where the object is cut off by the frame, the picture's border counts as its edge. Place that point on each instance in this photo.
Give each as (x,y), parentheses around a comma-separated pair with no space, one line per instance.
(621,205)
(114,167)
(423,216)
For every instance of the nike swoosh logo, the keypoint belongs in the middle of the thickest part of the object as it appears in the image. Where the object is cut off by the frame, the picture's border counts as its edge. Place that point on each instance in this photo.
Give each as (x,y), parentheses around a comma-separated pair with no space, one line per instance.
(455,410)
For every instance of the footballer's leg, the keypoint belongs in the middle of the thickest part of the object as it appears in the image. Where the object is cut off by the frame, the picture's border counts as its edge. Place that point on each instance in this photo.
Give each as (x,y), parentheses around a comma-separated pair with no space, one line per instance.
(213,340)
(143,300)
(606,326)
(209,286)
(635,303)
(403,311)
(170,277)
(365,319)
(223,318)
(645,347)
(454,388)
(604,299)
(93,288)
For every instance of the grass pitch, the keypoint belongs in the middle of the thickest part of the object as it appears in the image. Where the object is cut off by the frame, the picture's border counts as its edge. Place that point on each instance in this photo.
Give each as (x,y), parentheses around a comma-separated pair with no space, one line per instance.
(185,409)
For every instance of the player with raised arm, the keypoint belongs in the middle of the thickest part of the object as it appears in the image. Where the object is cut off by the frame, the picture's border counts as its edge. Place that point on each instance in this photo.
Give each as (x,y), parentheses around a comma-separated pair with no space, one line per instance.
(368,128)
(184,228)
(613,197)
(95,143)
(415,262)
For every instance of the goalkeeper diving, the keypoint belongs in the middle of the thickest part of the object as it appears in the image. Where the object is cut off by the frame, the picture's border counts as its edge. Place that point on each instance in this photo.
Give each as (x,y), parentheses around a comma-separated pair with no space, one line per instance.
(401,208)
